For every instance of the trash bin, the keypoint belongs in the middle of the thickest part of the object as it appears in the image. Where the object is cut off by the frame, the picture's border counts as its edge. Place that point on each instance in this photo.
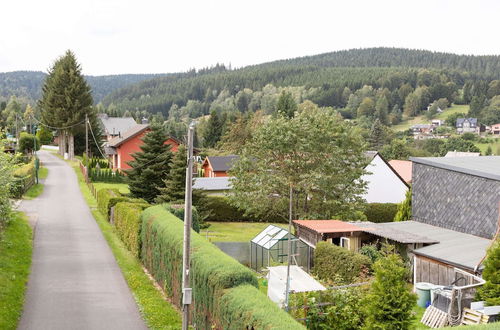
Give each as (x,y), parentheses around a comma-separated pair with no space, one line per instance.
(423,293)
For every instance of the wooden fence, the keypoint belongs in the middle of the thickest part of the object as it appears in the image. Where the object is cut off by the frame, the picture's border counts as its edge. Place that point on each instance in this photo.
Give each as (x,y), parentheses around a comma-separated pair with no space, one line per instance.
(89,183)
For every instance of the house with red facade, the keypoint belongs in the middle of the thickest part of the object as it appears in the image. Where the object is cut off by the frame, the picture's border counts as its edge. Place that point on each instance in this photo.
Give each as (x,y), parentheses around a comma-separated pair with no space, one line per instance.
(217,166)
(121,148)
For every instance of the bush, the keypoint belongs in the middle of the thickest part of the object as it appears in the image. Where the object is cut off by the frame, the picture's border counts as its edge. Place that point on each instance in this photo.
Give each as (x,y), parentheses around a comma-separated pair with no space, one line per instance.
(371,251)
(336,264)
(28,143)
(103,198)
(115,200)
(24,178)
(44,135)
(106,175)
(490,291)
(212,274)
(221,210)
(381,212)
(178,211)
(127,222)
(404,212)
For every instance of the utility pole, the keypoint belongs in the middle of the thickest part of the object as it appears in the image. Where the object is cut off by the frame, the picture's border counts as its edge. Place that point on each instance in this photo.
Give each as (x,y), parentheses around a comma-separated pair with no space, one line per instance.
(17,137)
(186,289)
(287,288)
(86,136)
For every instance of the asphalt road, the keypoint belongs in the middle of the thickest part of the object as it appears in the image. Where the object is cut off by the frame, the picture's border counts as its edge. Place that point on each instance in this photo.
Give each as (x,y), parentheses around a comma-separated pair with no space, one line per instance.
(75,282)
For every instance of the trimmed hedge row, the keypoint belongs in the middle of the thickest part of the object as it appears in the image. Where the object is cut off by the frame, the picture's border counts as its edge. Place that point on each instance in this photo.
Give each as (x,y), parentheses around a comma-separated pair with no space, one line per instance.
(178,211)
(381,212)
(223,211)
(103,198)
(24,178)
(213,273)
(335,263)
(127,223)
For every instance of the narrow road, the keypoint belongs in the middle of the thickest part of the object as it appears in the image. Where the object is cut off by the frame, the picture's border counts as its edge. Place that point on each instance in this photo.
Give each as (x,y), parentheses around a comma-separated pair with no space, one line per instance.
(75,282)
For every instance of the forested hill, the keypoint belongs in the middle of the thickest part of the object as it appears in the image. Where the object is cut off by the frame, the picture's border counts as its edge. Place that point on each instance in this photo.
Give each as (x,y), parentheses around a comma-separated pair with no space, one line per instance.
(328,73)
(27,85)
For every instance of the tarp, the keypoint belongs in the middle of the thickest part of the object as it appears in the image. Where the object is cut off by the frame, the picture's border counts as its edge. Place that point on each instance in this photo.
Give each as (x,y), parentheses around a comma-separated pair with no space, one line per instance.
(300,281)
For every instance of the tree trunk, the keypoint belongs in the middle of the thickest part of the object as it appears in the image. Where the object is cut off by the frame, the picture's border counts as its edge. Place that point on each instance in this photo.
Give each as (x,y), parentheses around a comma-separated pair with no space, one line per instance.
(60,143)
(71,147)
(64,142)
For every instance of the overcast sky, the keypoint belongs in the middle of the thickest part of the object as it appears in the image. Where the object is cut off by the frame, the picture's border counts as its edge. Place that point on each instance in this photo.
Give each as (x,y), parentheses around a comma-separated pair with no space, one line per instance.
(149,36)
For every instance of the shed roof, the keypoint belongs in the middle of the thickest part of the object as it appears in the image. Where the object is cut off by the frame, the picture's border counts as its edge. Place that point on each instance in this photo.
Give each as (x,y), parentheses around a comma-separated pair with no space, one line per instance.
(462,154)
(221,163)
(394,234)
(454,248)
(216,183)
(484,166)
(117,125)
(137,129)
(328,226)
(403,168)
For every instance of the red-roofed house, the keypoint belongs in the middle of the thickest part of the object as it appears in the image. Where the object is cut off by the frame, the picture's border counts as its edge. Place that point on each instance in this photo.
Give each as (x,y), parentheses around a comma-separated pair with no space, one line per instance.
(121,148)
(217,166)
(403,168)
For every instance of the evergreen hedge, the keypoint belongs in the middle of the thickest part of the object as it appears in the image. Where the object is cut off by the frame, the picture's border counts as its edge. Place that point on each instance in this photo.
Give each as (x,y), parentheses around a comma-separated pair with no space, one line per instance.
(380,212)
(103,198)
(127,223)
(222,211)
(212,274)
(335,263)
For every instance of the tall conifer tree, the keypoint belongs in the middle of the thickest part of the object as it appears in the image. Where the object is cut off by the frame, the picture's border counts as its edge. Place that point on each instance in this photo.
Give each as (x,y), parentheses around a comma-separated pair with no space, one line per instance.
(66,99)
(175,184)
(150,166)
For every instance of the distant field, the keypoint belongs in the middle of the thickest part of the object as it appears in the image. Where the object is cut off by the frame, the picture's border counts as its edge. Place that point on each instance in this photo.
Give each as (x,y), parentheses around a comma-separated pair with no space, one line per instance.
(406,124)
(495,147)
(235,231)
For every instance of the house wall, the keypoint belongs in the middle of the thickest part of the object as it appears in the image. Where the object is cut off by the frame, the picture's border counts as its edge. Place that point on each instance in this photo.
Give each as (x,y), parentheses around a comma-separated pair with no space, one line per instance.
(384,186)
(456,201)
(125,150)
(208,172)
(435,272)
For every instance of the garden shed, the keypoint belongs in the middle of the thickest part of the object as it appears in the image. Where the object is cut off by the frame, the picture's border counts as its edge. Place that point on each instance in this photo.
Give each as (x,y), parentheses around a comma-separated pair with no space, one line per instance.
(270,246)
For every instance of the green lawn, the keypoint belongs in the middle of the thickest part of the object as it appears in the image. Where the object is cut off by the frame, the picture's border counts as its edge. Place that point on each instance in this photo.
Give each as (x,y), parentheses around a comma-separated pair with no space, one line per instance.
(235,231)
(495,147)
(407,123)
(155,309)
(15,261)
(122,187)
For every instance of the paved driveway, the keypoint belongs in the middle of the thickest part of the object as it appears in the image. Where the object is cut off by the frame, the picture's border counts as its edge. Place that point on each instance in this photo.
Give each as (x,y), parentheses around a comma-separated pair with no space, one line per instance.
(75,282)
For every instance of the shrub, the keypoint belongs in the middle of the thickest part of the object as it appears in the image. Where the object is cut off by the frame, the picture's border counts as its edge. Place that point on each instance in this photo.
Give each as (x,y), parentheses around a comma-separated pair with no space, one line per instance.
(371,251)
(115,200)
(381,212)
(127,222)
(103,198)
(404,208)
(28,143)
(212,273)
(24,178)
(44,135)
(336,264)
(221,210)
(490,291)
(178,211)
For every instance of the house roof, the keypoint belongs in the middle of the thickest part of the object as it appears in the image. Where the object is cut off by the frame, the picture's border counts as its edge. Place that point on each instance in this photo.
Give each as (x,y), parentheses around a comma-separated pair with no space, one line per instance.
(484,166)
(394,234)
(137,129)
(462,154)
(216,183)
(454,248)
(116,125)
(370,155)
(419,126)
(328,226)
(461,121)
(403,168)
(221,163)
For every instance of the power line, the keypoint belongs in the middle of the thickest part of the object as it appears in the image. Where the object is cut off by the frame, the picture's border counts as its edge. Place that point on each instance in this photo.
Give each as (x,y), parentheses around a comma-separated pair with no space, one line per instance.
(53,127)
(95,140)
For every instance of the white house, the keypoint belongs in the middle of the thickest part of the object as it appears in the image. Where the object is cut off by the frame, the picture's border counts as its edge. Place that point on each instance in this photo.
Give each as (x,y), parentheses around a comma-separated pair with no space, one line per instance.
(384,184)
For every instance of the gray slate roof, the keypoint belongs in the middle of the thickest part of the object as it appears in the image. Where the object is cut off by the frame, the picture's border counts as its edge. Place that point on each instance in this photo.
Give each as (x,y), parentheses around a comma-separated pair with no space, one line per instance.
(393,233)
(217,183)
(472,121)
(484,166)
(116,125)
(455,248)
(222,163)
(137,129)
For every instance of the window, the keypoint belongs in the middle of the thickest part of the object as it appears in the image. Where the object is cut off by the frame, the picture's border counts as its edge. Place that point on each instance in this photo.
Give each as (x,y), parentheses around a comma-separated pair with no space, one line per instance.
(345,243)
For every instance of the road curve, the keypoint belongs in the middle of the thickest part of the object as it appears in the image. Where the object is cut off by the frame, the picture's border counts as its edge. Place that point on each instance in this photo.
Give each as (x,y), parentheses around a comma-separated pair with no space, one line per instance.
(75,282)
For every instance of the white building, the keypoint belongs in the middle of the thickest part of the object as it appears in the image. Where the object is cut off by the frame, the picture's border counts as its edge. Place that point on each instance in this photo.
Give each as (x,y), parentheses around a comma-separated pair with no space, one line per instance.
(385,185)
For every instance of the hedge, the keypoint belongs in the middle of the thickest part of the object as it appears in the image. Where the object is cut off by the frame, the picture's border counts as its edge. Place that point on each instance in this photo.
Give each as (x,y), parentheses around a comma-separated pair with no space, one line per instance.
(236,303)
(337,264)
(381,212)
(103,198)
(178,211)
(127,223)
(223,211)
(24,178)
(212,273)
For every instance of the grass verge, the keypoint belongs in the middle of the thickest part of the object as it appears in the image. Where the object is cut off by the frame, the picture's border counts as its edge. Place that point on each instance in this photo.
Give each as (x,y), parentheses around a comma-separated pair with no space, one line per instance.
(156,311)
(37,189)
(122,187)
(15,260)
(235,231)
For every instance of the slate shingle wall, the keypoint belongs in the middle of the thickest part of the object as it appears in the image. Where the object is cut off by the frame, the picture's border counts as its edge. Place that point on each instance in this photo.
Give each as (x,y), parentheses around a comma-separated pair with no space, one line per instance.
(455,201)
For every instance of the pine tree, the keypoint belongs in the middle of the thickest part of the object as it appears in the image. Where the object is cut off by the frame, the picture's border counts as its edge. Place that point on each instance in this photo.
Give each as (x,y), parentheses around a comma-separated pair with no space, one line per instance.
(389,304)
(213,132)
(377,135)
(286,105)
(66,99)
(489,151)
(490,291)
(175,184)
(404,208)
(150,166)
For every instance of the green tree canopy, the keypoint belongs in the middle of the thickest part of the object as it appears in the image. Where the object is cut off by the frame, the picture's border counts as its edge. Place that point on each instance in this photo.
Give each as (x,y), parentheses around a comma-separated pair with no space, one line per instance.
(150,166)
(175,184)
(286,105)
(316,153)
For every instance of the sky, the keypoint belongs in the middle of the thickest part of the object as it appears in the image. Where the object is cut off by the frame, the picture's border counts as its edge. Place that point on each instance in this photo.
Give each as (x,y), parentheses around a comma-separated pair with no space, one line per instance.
(160,36)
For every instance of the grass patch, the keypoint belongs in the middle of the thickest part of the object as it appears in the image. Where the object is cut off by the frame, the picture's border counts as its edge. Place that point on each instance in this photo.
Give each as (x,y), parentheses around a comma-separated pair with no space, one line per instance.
(35,191)
(419,312)
(15,260)
(43,172)
(495,147)
(122,187)
(407,123)
(235,231)
(156,311)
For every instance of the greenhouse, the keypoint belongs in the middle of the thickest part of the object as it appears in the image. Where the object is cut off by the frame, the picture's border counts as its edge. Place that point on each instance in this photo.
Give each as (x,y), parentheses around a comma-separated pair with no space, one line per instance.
(270,248)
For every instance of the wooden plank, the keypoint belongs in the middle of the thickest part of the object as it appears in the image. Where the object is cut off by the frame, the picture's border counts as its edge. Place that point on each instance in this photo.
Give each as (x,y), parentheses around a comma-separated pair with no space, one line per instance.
(443,275)
(433,273)
(425,271)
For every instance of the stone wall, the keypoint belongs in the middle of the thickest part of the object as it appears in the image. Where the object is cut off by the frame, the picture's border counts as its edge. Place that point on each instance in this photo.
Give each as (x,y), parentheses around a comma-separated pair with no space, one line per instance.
(456,201)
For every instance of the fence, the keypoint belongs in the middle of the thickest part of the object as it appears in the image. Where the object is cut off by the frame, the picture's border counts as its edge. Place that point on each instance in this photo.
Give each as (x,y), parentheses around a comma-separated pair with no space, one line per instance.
(84,171)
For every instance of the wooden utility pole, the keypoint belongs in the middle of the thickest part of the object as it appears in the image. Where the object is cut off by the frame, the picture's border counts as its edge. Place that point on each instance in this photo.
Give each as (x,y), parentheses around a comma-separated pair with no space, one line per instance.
(287,288)
(186,289)
(86,136)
